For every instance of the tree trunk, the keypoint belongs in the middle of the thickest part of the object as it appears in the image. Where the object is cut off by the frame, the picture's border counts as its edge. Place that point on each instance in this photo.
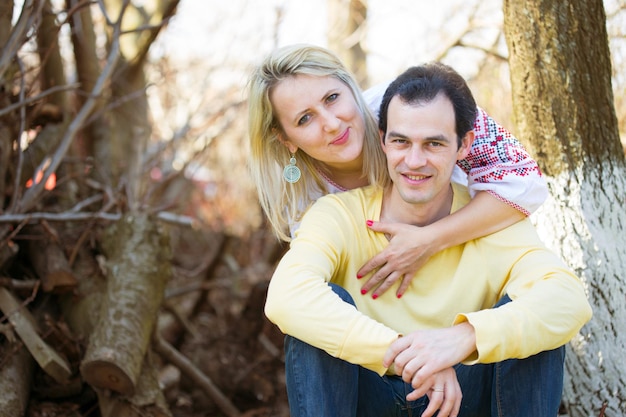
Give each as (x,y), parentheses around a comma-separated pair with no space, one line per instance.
(347,29)
(563,105)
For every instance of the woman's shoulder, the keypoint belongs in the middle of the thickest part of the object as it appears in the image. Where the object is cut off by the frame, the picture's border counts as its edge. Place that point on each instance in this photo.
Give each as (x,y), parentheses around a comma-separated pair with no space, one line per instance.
(359,202)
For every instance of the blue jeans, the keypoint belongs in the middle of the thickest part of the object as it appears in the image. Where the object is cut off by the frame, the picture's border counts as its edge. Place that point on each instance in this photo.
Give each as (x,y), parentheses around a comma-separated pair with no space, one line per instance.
(320,385)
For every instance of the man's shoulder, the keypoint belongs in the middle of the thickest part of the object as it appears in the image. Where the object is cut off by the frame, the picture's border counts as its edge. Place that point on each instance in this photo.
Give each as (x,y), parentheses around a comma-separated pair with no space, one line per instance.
(461,196)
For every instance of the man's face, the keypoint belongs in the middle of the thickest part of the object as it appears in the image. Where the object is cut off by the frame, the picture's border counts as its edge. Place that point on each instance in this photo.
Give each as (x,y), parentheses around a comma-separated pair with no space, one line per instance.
(422,148)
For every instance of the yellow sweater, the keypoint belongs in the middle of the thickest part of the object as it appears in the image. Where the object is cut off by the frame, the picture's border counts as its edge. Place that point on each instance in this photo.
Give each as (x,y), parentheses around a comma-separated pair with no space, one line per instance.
(458,284)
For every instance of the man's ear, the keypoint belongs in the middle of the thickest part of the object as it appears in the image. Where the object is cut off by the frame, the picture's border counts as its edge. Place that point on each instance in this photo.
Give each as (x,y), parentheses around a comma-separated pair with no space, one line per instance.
(466,145)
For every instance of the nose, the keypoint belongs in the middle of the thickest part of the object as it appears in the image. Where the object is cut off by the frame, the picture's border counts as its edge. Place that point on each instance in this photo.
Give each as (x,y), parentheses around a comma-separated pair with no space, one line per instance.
(330,120)
(415,157)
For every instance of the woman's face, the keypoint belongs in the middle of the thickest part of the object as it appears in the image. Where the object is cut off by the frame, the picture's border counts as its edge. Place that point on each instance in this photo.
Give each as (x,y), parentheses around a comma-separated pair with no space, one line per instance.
(320,116)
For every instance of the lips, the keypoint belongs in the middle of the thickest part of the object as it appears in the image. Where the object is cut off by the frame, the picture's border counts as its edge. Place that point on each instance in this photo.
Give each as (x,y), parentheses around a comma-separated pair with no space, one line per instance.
(342,139)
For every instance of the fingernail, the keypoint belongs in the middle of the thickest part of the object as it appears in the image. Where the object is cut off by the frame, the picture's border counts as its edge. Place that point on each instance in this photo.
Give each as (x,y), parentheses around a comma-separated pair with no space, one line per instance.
(363,292)
(369,222)
(375,296)
(359,276)
(399,295)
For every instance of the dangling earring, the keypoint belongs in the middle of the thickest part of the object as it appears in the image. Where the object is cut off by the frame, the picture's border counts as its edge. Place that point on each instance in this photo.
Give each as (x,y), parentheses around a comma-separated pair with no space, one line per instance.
(291,173)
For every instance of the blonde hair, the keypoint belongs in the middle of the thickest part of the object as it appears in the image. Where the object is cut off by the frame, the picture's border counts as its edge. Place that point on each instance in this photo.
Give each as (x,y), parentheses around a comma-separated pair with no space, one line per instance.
(282,202)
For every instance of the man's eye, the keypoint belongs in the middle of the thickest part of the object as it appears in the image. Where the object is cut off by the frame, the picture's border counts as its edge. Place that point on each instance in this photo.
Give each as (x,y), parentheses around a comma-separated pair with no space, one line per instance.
(304,119)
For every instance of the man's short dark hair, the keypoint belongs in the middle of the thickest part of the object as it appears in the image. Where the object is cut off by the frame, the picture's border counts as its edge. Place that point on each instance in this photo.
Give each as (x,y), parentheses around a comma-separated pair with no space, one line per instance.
(421,84)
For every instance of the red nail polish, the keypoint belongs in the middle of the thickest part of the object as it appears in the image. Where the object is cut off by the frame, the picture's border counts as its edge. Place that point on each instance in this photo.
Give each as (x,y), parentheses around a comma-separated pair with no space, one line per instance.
(369,222)
(359,276)
(375,296)
(399,295)
(363,292)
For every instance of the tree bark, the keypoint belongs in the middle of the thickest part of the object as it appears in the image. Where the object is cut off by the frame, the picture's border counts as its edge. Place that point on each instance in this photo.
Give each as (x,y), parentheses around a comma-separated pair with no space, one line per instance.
(138,267)
(563,105)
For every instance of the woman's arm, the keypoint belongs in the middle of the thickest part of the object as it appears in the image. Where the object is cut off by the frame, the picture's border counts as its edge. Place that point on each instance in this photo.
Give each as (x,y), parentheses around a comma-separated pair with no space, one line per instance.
(499,163)
(410,247)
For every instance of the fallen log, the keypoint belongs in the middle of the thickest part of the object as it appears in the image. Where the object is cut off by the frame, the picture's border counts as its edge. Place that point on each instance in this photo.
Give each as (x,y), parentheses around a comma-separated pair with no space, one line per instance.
(81,313)
(27,329)
(49,262)
(138,267)
(148,400)
(16,374)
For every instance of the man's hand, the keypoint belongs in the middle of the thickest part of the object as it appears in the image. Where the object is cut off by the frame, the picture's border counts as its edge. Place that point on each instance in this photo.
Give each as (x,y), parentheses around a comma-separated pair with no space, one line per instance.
(418,356)
(444,394)
(409,249)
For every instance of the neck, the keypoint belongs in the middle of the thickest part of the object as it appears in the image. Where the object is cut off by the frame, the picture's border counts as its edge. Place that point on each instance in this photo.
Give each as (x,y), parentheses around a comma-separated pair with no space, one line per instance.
(344,178)
(396,209)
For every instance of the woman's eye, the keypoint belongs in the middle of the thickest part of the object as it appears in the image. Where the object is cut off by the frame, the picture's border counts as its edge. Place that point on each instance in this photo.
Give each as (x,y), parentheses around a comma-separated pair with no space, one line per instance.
(303,119)
(332,97)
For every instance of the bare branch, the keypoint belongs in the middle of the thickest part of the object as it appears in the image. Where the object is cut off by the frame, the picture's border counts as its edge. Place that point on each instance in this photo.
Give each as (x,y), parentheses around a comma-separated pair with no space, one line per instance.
(31,11)
(26,101)
(58,217)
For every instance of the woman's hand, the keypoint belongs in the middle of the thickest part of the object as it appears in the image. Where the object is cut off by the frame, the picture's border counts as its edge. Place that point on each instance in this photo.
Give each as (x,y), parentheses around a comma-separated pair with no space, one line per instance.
(409,249)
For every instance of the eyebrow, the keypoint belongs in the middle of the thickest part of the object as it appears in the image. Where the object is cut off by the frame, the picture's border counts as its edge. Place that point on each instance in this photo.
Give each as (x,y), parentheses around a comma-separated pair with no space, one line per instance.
(399,135)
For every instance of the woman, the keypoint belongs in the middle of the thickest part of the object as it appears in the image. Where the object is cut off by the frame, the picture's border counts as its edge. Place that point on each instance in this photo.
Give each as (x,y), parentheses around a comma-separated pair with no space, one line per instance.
(312,133)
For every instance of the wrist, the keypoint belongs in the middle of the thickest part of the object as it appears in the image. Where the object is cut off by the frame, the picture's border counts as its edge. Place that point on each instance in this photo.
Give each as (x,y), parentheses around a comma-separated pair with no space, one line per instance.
(439,240)
(466,338)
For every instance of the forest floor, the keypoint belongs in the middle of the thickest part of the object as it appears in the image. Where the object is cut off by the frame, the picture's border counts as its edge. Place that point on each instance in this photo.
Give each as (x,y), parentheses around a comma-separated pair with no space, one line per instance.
(213,317)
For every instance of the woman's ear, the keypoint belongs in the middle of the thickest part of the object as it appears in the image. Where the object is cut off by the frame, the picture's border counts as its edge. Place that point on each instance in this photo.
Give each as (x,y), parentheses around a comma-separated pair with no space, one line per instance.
(466,145)
(286,142)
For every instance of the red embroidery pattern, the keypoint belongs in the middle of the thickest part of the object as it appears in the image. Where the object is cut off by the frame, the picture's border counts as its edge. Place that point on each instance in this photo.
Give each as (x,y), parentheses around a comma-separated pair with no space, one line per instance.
(496,153)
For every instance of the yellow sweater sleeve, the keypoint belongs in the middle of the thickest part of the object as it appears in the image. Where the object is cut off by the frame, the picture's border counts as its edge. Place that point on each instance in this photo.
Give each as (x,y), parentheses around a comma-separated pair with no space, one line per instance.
(549,305)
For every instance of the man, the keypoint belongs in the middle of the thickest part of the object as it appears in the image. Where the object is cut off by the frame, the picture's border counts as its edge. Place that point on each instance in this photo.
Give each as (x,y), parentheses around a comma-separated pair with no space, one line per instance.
(481,329)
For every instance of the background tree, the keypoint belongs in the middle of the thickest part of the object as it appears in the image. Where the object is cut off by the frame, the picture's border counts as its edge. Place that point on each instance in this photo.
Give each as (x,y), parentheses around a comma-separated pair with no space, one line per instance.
(563,105)
(347,21)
